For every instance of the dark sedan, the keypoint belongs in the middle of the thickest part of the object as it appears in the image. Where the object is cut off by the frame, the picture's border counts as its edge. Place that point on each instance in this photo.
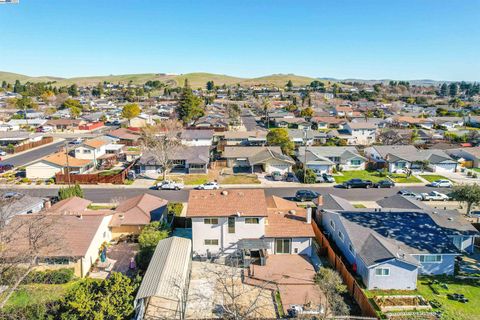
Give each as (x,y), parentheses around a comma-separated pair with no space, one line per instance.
(358,183)
(306,195)
(384,184)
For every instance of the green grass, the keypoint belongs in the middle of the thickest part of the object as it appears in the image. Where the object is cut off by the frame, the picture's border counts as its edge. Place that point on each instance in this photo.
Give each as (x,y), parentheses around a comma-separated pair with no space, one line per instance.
(359,174)
(452,310)
(37,293)
(187,179)
(402,178)
(475,169)
(240,179)
(278,301)
(433,177)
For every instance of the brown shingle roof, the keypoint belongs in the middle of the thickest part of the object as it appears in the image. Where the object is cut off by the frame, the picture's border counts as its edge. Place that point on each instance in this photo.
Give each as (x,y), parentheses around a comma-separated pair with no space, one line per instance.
(286,219)
(217,203)
(95,143)
(60,159)
(139,210)
(73,204)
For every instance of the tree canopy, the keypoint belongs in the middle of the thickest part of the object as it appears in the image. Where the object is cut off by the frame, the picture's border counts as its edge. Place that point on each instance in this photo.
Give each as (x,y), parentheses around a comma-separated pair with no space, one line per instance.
(467,193)
(279,137)
(190,106)
(130,111)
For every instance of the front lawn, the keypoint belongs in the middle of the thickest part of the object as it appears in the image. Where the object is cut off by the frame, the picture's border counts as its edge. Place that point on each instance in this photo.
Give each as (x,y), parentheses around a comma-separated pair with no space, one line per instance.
(373,176)
(187,179)
(37,294)
(433,177)
(402,178)
(239,179)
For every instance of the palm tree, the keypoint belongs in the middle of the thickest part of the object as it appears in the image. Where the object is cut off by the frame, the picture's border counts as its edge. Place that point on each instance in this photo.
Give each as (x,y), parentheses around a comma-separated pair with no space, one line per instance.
(266,107)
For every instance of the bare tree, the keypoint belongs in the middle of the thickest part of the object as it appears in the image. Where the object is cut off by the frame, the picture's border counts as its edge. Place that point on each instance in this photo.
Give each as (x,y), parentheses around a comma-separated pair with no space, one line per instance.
(331,284)
(22,238)
(390,137)
(161,142)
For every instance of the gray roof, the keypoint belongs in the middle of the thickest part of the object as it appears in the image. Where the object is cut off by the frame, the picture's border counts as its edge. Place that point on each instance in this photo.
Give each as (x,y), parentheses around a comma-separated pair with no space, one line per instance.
(245,152)
(18,202)
(344,153)
(191,154)
(433,156)
(383,151)
(331,202)
(196,134)
(168,269)
(268,154)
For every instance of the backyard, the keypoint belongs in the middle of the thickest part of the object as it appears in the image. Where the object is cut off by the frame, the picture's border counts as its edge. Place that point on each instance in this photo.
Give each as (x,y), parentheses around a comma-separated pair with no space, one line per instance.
(436,293)
(37,294)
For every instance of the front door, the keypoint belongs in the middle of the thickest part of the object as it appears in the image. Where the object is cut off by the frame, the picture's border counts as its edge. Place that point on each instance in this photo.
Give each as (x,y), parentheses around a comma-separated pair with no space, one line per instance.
(283,246)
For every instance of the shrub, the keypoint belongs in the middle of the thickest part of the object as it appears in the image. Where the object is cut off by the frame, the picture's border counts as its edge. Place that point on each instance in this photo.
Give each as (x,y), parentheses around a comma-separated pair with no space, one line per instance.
(59,276)
(26,180)
(310,176)
(175,208)
(68,192)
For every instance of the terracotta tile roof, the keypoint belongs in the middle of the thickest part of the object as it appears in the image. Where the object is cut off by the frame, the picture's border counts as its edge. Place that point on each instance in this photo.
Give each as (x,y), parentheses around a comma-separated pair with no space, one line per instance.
(331,120)
(73,204)
(95,143)
(60,159)
(65,235)
(124,134)
(286,219)
(218,203)
(139,210)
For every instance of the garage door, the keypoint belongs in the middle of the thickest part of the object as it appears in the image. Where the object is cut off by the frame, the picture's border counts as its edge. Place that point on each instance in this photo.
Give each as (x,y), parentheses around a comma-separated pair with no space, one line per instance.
(446,167)
(319,168)
(283,168)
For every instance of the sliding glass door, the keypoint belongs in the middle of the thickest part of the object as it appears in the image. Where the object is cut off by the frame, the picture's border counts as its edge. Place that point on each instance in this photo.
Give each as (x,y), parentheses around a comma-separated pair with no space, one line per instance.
(283,246)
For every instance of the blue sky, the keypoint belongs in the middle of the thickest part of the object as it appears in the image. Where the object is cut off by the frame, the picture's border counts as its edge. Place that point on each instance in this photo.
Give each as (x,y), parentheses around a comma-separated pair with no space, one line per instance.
(370,39)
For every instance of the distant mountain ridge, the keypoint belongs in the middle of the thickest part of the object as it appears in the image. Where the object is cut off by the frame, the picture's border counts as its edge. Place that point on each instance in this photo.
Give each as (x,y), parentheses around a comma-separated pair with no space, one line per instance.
(196,79)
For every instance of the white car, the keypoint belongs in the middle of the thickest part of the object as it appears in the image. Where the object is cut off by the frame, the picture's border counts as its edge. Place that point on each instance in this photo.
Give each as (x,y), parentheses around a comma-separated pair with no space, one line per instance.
(2,153)
(209,186)
(169,185)
(441,184)
(434,196)
(400,171)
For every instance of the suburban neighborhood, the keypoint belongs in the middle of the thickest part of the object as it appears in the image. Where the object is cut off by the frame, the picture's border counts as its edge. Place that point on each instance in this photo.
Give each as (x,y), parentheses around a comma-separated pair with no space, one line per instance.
(267,195)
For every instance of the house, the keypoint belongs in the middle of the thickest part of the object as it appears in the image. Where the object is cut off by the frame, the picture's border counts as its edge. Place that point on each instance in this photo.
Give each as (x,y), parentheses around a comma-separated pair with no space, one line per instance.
(59,162)
(324,159)
(226,222)
(409,121)
(245,138)
(92,149)
(185,160)
(68,240)
(411,158)
(17,138)
(197,137)
(125,136)
(327,122)
(131,215)
(161,293)
(15,203)
(33,123)
(297,123)
(388,249)
(466,157)
(343,111)
(310,137)
(449,123)
(257,159)
(362,132)
(64,124)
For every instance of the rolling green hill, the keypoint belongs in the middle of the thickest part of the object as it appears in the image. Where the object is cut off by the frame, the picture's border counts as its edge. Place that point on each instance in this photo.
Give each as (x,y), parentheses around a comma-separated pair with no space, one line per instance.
(196,80)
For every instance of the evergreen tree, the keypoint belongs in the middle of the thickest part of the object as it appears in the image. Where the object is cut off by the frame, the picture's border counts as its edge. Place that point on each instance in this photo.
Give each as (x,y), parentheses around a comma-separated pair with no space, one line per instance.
(453,89)
(210,85)
(189,107)
(444,90)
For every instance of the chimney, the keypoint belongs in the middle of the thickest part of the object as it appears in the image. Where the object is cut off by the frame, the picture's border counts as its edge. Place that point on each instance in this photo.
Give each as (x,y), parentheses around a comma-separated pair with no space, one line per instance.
(320,200)
(309,215)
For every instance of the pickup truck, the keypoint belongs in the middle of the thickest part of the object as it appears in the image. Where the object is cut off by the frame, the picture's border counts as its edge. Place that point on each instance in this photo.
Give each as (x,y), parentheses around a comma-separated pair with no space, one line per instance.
(434,196)
(169,185)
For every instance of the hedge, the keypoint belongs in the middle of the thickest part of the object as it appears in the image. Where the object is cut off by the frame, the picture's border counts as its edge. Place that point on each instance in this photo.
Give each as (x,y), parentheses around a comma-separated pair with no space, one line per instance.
(59,276)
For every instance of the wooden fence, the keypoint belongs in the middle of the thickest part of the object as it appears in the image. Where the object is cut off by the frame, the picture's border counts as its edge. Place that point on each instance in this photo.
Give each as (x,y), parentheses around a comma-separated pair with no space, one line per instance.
(352,285)
(93,178)
(30,145)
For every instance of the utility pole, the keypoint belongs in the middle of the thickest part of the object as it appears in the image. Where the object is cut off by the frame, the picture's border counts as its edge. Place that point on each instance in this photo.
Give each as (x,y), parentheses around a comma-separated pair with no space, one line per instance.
(67,169)
(305,155)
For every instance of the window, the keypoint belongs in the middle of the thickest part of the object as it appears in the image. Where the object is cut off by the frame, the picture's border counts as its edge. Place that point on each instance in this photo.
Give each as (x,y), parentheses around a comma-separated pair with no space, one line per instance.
(382,272)
(332,224)
(252,220)
(231,224)
(283,246)
(350,247)
(356,162)
(340,235)
(431,258)
(87,151)
(211,242)
(210,221)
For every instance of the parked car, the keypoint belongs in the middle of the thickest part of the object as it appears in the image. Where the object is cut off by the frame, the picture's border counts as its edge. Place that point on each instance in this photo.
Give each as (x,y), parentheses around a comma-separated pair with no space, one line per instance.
(400,171)
(169,185)
(328,178)
(2,153)
(209,186)
(76,141)
(434,196)
(441,184)
(277,176)
(5,168)
(358,183)
(319,178)
(384,184)
(306,195)
(407,193)
(290,177)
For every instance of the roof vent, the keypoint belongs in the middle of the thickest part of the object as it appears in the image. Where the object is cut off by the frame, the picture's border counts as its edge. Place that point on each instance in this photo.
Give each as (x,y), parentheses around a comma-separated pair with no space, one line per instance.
(121,216)
(450,218)
(292,212)
(224,193)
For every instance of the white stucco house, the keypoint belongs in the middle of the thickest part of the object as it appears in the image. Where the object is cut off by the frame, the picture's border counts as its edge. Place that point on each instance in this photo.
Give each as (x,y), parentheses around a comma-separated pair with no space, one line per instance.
(257,159)
(91,150)
(246,221)
(324,159)
(59,162)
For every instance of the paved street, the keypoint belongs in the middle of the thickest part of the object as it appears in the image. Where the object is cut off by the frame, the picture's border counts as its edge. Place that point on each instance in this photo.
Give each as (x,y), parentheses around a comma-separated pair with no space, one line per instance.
(32,155)
(107,194)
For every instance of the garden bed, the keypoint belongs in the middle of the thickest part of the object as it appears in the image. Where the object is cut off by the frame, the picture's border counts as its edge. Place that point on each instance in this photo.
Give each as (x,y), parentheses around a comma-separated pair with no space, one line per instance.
(401,303)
